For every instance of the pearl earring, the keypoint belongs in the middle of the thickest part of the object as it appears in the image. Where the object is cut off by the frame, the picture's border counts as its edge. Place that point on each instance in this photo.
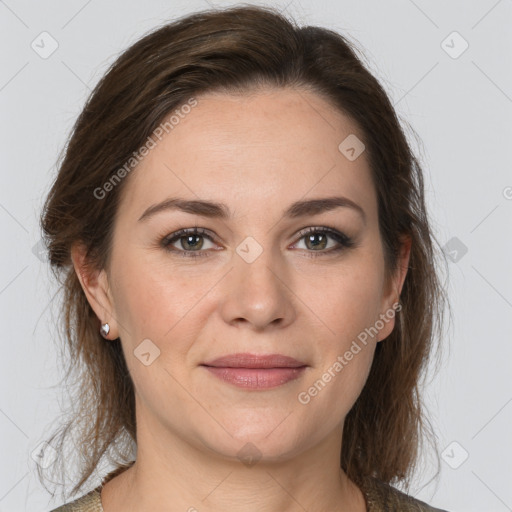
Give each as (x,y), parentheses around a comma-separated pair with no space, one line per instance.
(105,329)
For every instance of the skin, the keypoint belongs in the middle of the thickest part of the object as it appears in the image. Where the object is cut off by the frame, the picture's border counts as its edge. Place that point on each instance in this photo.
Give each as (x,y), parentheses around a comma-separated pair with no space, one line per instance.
(257,153)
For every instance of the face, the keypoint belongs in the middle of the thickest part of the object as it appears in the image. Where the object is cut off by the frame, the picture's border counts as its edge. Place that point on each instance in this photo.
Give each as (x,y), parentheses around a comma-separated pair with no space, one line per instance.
(282,285)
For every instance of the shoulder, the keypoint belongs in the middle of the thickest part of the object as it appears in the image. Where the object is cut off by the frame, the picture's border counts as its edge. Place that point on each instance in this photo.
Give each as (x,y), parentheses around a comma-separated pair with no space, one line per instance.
(90,502)
(381,497)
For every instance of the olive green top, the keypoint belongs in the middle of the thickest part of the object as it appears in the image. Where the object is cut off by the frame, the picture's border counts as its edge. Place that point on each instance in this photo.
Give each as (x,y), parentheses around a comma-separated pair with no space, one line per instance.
(379,497)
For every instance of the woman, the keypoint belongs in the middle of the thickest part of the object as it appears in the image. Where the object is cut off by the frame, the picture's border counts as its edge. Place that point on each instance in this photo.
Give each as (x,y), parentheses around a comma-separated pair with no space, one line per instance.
(250,289)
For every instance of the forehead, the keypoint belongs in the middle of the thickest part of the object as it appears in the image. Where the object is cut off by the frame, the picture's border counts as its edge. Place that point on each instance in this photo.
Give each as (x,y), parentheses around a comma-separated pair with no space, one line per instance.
(269,147)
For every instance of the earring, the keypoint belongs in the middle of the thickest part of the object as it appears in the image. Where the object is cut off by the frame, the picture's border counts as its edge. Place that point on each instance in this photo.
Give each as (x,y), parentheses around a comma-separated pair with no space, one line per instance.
(105,329)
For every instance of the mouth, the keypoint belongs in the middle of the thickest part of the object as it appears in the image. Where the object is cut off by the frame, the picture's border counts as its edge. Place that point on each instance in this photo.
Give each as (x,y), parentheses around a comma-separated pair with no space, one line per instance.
(252,371)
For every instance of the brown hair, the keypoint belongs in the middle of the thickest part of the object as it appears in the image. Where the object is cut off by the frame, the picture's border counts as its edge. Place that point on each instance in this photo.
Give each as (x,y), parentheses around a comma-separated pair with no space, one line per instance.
(235,50)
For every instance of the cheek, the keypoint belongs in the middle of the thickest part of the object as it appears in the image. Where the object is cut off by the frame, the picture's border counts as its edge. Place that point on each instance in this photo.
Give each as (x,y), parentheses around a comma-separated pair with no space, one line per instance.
(350,305)
(348,302)
(333,389)
(348,299)
(152,303)
(153,299)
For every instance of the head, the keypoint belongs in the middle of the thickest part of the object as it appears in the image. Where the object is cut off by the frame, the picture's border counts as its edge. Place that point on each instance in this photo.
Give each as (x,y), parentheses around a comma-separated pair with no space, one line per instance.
(252,130)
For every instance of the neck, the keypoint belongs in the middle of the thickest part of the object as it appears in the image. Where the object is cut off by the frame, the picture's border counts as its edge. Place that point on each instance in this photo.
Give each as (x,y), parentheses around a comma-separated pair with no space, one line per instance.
(180,476)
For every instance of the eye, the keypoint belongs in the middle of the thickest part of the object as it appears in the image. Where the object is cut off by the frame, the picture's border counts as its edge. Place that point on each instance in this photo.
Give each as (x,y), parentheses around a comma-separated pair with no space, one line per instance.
(188,242)
(324,240)
(318,241)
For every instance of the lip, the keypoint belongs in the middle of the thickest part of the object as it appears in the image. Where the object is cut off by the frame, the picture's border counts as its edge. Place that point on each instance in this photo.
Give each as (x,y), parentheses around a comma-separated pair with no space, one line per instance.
(246,360)
(252,371)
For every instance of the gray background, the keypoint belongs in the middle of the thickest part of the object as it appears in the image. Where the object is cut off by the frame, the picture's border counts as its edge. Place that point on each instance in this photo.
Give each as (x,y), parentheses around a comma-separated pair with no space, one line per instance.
(460,104)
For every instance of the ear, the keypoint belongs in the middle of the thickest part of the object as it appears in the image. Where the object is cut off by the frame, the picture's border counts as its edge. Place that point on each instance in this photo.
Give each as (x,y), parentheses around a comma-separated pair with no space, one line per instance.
(395,284)
(95,285)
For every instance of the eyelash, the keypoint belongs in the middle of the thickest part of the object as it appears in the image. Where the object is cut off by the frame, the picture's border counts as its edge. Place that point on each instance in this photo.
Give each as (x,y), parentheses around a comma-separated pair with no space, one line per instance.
(343,240)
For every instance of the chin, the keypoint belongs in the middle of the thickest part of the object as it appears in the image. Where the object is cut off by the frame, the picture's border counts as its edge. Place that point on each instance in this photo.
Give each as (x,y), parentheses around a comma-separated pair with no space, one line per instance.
(265,440)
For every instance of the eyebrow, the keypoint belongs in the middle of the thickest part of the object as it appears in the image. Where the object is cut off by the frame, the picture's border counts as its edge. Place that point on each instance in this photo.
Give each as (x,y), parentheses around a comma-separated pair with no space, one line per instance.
(217,210)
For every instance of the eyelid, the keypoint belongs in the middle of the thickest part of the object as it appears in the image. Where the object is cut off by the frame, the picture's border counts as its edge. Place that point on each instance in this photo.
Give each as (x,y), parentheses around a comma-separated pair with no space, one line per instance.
(343,241)
(167,241)
(189,231)
(325,229)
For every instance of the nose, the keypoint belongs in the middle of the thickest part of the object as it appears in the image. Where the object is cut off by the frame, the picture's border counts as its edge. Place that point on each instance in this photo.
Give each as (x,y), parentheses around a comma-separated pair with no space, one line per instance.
(258,294)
